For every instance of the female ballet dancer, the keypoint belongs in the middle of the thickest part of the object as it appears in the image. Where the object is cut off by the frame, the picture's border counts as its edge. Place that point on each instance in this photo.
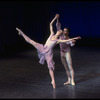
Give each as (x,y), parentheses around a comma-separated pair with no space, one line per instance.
(45,52)
(66,53)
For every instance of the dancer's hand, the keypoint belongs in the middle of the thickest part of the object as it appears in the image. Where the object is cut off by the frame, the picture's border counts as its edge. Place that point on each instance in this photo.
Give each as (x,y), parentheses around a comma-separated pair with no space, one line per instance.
(57,15)
(73,41)
(78,37)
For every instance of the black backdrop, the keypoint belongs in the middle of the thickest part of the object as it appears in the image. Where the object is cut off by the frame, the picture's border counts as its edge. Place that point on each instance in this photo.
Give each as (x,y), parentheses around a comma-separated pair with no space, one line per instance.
(33,17)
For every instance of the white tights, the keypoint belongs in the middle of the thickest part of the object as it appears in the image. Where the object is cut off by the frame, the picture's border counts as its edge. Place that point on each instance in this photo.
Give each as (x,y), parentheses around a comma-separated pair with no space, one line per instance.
(67,62)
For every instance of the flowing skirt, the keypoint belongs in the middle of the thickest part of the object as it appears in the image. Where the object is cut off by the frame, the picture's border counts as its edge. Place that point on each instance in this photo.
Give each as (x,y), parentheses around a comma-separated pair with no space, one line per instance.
(45,53)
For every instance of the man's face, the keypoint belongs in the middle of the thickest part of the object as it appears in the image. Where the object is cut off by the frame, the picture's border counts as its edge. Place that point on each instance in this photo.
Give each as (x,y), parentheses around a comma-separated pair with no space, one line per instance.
(65,31)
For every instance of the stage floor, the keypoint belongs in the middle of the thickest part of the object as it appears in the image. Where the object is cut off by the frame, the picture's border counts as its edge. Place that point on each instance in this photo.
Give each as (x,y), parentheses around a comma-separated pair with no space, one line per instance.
(21,76)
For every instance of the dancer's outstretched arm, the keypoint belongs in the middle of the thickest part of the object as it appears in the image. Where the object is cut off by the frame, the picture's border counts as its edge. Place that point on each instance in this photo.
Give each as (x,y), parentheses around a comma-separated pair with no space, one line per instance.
(63,41)
(51,24)
(25,37)
(71,43)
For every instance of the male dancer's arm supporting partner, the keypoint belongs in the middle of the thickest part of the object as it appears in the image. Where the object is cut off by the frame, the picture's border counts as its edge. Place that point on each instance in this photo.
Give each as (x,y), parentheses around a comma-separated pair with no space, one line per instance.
(51,24)
(59,27)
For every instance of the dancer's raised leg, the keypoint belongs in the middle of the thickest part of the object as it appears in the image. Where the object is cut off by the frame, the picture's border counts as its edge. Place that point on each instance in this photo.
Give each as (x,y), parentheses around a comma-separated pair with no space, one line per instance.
(35,44)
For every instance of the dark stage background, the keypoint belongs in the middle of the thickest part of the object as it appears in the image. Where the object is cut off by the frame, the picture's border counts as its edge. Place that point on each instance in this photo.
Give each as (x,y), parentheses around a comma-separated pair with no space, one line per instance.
(33,17)
(21,74)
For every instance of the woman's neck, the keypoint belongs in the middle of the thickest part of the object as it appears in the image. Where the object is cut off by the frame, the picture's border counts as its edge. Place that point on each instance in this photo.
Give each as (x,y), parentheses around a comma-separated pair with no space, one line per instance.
(56,36)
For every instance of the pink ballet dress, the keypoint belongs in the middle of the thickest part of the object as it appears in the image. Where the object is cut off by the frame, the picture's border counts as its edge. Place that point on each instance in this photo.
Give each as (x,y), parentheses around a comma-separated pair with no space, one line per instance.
(45,52)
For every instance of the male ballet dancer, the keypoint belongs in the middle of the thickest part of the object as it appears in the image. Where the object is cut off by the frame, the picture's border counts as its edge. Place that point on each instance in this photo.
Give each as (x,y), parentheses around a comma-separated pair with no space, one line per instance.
(66,53)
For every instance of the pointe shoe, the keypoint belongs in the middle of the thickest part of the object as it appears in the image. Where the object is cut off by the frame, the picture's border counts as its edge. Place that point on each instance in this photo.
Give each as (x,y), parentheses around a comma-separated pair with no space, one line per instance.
(18,31)
(16,28)
(53,84)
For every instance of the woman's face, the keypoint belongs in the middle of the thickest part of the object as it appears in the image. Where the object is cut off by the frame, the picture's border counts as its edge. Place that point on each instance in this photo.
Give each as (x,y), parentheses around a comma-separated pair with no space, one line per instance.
(59,32)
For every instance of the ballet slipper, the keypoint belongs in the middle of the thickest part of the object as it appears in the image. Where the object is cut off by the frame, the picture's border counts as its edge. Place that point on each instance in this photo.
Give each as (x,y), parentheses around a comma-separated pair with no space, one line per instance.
(53,84)
(18,31)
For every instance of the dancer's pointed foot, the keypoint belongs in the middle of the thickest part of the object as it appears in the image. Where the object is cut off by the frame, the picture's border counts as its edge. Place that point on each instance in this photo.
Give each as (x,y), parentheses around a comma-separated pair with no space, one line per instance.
(18,31)
(53,84)
(66,83)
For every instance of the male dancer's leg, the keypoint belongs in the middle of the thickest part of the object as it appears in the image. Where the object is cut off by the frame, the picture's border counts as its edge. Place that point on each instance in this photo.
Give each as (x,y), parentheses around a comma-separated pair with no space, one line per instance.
(69,62)
(63,60)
